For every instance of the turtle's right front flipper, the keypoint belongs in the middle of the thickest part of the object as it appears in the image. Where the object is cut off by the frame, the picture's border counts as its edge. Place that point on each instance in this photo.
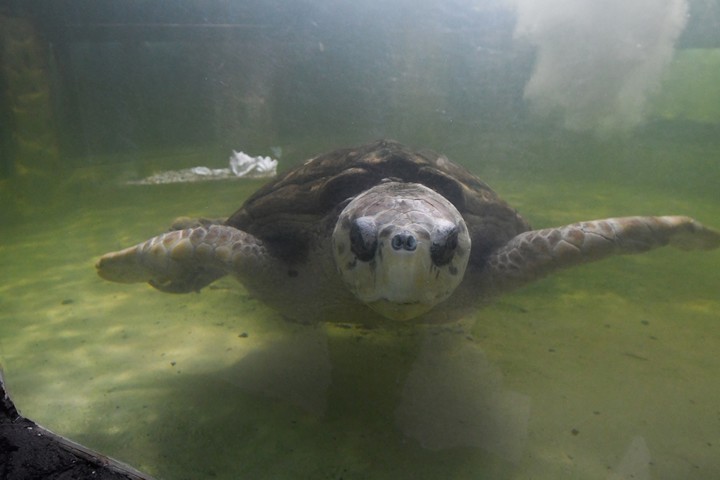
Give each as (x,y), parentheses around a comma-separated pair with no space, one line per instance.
(186,260)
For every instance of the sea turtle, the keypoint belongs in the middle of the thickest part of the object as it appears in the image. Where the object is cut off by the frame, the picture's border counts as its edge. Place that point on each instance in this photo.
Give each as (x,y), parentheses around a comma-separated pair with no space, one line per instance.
(382,231)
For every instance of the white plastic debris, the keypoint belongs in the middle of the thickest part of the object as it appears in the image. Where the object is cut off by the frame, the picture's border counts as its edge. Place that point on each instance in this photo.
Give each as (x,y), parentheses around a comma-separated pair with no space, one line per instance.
(201,171)
(242,165)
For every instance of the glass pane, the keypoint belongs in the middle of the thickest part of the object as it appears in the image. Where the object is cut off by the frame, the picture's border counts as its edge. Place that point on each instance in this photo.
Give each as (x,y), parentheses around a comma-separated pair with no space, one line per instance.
(570,111)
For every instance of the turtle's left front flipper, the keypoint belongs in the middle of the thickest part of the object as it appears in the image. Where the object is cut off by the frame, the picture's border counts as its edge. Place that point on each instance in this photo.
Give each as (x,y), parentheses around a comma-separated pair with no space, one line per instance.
(532,255)
(186,260)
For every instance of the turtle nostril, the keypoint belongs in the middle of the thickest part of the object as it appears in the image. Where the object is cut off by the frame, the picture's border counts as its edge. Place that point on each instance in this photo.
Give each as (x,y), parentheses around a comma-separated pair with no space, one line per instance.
(404,241)
(398,241)
(410,243)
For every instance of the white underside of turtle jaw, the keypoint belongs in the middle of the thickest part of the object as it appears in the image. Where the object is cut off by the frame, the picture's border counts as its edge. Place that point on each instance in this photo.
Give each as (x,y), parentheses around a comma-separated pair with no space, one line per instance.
(401,287)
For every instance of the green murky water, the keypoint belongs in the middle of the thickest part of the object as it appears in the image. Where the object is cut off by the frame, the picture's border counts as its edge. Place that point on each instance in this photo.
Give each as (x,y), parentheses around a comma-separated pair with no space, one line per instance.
(602,372)
(608,371)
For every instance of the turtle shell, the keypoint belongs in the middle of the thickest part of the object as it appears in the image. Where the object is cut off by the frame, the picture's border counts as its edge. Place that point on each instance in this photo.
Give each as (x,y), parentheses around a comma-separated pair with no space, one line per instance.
(303,203)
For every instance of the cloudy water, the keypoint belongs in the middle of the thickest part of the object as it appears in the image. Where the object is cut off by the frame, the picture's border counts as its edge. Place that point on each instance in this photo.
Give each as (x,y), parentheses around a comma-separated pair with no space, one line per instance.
(568,110)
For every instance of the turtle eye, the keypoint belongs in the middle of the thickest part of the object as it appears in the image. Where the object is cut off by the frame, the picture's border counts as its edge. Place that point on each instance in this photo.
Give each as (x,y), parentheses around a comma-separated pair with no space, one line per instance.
(363,238)
(444,243)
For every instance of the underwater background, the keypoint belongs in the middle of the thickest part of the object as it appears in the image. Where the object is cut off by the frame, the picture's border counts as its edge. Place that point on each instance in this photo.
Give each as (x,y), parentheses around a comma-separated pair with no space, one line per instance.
(570,110)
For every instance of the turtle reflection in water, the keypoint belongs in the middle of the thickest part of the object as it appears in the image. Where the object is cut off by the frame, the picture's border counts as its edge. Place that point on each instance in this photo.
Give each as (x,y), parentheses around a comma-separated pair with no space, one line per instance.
(379,231)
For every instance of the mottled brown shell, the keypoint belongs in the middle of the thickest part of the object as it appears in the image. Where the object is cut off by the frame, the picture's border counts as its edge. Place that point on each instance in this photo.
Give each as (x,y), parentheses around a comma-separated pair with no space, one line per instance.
(291,211)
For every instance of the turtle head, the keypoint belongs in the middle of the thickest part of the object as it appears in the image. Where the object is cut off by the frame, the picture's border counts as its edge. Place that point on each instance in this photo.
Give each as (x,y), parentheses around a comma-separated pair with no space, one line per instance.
(401,248)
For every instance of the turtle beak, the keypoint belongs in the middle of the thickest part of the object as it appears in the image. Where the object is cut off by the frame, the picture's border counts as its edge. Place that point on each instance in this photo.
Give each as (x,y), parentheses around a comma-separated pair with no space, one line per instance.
(402,283)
